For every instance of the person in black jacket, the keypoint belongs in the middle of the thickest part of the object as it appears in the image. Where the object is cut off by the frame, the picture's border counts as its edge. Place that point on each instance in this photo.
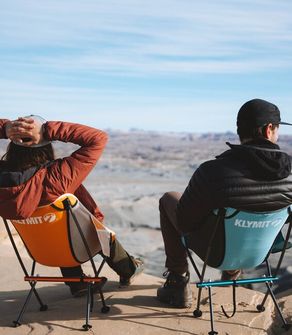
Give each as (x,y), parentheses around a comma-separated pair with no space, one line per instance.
(255,176)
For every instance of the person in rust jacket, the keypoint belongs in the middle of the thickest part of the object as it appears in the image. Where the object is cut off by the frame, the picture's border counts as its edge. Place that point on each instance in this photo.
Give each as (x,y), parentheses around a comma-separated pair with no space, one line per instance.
(254,175)
(30,176)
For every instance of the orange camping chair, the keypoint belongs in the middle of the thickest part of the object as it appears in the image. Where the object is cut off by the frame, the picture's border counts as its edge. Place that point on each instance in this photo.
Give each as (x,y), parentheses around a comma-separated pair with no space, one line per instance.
(62,234)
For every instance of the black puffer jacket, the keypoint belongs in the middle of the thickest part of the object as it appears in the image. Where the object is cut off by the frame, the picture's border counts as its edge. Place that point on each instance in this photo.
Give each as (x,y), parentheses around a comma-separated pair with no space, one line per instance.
(255,176)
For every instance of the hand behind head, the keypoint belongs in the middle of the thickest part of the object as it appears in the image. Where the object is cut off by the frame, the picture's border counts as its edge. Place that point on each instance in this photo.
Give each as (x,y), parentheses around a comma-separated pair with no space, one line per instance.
(25,131)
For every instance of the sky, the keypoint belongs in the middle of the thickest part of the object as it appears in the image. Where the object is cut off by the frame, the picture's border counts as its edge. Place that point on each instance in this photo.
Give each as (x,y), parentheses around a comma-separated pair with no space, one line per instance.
(166,65)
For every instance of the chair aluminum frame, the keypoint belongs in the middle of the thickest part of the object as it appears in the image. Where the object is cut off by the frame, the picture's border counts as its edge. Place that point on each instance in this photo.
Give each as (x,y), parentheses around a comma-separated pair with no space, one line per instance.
(33,278)
(269,279)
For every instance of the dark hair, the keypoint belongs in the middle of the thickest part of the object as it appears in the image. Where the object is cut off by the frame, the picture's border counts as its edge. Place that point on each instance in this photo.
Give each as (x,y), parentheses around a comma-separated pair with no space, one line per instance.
(248,133)
(20,158)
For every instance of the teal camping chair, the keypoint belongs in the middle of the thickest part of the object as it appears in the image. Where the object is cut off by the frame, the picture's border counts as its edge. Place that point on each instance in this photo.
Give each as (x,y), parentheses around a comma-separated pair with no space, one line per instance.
(249,240)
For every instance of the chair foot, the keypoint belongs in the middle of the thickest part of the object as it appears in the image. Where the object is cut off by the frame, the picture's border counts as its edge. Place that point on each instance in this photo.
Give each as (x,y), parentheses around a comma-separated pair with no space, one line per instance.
(105,309)
(86,327)
(16,324)
(44,308)
(261,308)
(197,313)
(213,332)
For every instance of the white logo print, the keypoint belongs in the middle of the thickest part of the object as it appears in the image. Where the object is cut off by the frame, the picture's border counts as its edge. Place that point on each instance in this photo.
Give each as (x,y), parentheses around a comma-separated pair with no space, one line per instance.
(47,218)
(50,217)
(257,224)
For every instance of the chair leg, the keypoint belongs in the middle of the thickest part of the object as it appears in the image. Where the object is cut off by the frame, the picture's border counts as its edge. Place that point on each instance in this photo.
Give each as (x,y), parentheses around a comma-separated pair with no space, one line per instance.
(212,332)
(43,307)
(87,326)
(286,325)
(105,308)
(17,322)
(261,307)
(197,312)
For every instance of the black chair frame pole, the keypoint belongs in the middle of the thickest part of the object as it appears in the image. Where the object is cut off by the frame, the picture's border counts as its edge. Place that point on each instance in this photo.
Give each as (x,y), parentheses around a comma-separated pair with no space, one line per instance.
(212,332)
(90,300)
(269,285)
(43,307)
(197,312)
(32,279)
(272,276)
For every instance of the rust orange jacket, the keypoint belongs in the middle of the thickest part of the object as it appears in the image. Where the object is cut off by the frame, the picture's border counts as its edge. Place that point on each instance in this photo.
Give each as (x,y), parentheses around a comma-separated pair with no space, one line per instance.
(63,175)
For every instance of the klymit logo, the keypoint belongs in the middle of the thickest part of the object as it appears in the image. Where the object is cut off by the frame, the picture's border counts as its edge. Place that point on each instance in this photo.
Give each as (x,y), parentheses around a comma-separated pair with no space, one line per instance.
(257,224)
(50,217)
(47,218)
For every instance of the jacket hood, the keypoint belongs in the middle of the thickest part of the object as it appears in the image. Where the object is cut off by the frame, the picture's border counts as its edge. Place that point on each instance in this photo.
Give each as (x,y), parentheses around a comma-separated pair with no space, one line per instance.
(15,178)
(20,194)
(264,159)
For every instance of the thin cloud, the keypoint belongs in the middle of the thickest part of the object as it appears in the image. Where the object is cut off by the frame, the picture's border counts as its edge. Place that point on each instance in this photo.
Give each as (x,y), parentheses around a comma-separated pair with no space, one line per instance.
(114,35)
(140,62)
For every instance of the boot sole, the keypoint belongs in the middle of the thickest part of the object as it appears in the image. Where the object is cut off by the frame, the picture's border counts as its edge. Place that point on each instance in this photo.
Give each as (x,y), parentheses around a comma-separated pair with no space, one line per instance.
(177,304)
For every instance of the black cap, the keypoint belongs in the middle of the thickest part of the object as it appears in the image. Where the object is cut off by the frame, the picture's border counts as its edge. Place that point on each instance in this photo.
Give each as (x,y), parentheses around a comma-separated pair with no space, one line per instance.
(258,113)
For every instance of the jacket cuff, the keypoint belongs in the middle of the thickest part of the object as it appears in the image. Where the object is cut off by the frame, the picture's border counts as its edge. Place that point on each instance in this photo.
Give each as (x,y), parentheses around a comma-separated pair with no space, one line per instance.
(3,123)
(45,131)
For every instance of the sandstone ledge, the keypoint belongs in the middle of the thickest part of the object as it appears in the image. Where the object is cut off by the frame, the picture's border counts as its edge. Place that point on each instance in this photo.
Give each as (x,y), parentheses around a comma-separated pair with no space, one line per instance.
(134,310)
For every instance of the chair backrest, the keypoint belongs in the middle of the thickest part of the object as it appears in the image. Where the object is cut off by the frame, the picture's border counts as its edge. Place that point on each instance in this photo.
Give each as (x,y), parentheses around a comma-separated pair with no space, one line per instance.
(52,236)
(249,236)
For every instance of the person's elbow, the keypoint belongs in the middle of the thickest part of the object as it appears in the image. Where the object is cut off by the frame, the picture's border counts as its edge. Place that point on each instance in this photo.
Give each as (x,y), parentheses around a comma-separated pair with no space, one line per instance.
(105,135)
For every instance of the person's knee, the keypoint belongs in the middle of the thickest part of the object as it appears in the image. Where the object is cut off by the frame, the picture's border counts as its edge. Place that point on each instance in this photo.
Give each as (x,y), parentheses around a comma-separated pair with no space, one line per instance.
(169,197)
(164,199)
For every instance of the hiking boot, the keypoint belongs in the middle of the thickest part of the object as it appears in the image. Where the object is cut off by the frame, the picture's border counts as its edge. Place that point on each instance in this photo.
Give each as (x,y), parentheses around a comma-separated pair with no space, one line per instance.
(230,275)
(79,289)
(176,290)
(139,264)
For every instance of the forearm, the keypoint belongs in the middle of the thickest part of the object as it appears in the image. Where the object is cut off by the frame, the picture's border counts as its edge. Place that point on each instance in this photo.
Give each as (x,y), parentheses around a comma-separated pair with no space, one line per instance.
(92,141)
(73,132)
(72,170)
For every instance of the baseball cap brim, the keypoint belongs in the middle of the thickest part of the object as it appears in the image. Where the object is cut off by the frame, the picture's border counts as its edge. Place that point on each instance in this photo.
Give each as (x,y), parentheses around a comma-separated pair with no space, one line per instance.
(286,123)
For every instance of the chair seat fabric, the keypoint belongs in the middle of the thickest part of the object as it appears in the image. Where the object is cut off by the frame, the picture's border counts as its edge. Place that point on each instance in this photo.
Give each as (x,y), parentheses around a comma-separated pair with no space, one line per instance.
(53,239)
(249,236)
